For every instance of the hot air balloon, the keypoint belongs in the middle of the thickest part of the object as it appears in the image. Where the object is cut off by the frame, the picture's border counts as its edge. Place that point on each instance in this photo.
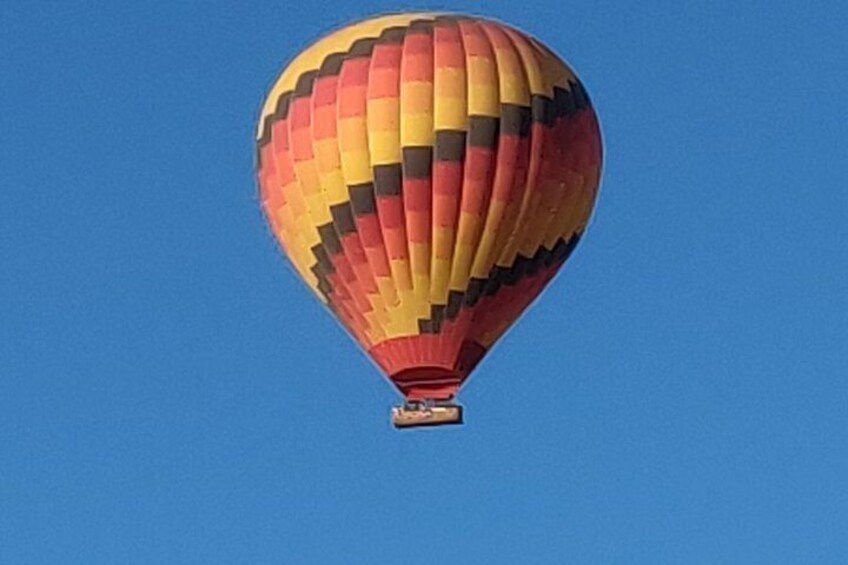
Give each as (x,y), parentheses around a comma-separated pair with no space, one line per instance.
(427,175)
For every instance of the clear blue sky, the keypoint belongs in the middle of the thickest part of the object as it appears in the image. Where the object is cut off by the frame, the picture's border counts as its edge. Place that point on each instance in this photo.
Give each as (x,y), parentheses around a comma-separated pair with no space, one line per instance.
(165,379)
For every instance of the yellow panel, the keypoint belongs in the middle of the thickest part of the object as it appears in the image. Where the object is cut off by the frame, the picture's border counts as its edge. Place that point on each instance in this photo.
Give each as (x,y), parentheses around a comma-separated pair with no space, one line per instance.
(484,101)
(417,130)
(485,255)
(461,267)
(512,83)
(450,105)
(335,189)
(443,242)
(481,70)
(319,212)
(439,279)
(543,215)
(400,273)
(375,326)
(420,257)
(450,113)
(532,68)
(378,308)
(307,176)
(416,97)
(297,248)
(483,96)
(384,147)
(525,217)
(353,134)
(356,166)
(387,290)
(449,82)
(326,154)
(383,114)
(330,172)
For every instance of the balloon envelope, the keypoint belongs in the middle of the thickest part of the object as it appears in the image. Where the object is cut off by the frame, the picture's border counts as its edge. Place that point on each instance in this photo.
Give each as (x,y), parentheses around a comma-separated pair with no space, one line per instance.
(427,175)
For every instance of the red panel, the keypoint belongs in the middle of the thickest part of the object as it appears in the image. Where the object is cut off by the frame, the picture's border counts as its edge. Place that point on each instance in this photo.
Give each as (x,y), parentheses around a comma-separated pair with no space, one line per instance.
(386,55)
(324,91)
(417,202)
(474,40)
(418,43)
(478,173)
(449,51)
(372,241)
(359,262)
(354,72)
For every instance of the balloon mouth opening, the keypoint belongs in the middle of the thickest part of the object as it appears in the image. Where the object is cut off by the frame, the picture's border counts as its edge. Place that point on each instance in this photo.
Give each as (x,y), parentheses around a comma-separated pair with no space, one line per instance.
(428,383)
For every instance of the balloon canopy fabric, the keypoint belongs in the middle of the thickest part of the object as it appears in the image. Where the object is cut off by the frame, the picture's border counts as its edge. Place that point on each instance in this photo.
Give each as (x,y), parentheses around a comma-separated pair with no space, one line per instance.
(427,175)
